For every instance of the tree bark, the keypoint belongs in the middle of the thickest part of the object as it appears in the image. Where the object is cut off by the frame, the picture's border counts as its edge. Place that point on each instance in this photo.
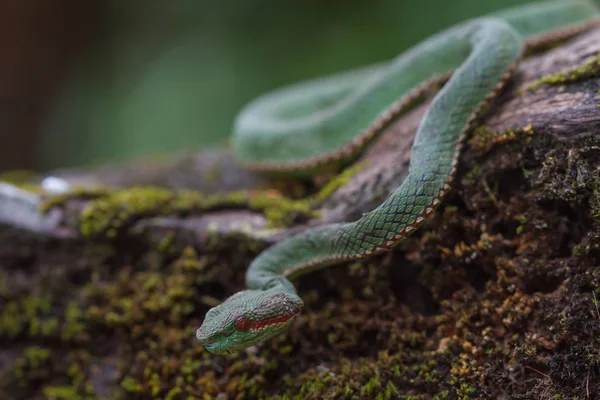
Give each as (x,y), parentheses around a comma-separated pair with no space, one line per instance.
(503,277)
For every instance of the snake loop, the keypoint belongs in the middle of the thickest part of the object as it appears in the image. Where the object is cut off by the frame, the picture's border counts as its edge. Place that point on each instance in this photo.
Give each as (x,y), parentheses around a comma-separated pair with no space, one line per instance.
(301,127)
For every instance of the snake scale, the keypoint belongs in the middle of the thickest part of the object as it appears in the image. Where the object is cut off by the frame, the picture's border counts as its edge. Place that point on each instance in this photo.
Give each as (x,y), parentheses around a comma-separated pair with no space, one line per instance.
(299,128)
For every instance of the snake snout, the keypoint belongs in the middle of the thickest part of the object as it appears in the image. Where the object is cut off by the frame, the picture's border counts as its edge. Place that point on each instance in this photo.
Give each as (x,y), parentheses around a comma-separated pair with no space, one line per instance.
(203,337)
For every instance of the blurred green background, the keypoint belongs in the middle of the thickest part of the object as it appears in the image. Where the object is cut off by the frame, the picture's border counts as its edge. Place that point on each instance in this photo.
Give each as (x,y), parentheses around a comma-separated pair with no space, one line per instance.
(159,77)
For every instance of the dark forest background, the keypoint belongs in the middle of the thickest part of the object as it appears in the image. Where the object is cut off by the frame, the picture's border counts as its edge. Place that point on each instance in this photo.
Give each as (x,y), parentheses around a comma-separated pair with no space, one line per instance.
(89,82)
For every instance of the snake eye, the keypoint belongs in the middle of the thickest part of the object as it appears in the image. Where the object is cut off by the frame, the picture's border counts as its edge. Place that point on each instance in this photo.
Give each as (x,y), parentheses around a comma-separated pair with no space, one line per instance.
(242,324)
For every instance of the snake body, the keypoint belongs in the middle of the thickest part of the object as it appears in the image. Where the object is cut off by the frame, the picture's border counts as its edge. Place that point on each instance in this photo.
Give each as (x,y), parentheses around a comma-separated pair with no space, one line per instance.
(302,127)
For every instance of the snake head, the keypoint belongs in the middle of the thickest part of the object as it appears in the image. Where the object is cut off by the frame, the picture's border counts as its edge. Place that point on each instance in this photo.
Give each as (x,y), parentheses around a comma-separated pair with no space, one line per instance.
(247,318)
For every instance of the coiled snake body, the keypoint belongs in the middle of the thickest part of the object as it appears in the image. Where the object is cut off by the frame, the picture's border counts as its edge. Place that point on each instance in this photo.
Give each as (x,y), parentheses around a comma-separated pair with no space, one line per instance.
(314,123)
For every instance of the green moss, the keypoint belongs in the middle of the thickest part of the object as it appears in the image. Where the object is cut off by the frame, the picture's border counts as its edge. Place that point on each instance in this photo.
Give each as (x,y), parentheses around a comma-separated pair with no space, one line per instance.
(61,393)
(33,366)
(131,385)
(17,177)
(10,320)
(585,71)
(166,244)
(49,327)
(355,339)
(135,298)
(29,315)
(109,212)
(522,223)
(33,306)
(465,391)
(75,193)
(474,174)
(279,210)
(391,391)
(35,356)
(173,393)
(484,138)
(189,261)
(77,376)
(371,387)
(338,181)
(74,322)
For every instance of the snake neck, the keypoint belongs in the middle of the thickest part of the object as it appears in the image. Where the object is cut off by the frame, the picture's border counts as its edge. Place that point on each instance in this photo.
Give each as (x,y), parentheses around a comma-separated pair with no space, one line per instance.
(279,283)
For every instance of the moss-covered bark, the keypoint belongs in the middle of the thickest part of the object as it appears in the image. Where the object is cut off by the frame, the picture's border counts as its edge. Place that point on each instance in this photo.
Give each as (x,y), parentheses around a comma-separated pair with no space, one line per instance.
(497,295)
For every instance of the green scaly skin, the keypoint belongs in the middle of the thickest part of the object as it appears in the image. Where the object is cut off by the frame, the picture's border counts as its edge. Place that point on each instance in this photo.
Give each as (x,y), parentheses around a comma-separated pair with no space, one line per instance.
(301,127)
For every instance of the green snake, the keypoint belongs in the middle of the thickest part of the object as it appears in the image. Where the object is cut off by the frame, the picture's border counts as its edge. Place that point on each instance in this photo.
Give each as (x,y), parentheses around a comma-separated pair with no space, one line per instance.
(299,128)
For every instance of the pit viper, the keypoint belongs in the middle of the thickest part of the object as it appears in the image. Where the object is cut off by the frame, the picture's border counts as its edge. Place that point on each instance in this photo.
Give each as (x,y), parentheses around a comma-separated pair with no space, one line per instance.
(299,128)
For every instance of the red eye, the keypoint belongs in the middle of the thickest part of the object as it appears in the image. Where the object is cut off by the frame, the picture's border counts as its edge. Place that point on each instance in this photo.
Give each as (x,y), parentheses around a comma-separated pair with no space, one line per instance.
(242,324)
